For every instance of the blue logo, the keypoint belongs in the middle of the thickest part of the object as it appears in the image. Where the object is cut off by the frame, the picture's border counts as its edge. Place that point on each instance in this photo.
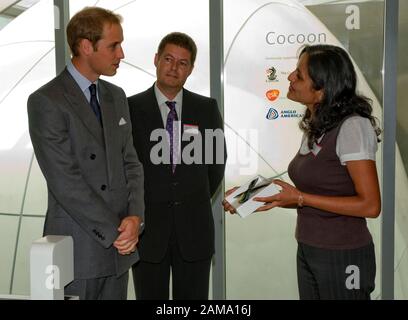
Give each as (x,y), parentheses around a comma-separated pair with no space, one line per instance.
(272,114)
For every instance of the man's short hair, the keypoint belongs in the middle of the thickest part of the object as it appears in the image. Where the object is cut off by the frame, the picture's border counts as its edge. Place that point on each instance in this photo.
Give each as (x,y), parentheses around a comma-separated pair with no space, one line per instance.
(179,39)
(88,24)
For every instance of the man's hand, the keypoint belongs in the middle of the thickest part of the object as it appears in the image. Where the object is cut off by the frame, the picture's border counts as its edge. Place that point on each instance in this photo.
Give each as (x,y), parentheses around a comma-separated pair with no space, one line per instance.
(129,235)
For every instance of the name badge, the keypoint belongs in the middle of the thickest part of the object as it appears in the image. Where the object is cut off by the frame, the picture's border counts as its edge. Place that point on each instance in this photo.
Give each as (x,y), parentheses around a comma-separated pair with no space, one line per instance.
(190,129)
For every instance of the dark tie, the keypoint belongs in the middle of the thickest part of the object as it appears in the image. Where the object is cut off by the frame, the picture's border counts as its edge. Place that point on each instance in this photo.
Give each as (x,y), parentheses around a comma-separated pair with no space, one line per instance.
(171,117)
(94,102)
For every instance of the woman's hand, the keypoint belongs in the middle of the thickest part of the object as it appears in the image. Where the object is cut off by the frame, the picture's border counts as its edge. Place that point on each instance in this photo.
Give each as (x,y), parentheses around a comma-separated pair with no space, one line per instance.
(288,197)
(226,204)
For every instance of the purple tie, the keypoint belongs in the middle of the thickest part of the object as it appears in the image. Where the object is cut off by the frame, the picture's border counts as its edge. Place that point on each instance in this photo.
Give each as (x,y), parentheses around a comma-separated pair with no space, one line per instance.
(170,126)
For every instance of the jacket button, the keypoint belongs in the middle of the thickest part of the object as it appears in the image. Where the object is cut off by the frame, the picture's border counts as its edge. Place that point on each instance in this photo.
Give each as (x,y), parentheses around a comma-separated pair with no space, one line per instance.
(103,187)
(93,156)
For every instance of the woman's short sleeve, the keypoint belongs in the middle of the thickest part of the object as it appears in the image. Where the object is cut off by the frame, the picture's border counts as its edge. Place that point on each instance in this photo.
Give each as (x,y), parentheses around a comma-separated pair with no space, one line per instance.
(356,140)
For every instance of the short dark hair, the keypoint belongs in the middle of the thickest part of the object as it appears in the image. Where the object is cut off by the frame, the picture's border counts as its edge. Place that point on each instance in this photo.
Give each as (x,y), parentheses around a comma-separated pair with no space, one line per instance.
(332,71)
(179,39)
(88,24)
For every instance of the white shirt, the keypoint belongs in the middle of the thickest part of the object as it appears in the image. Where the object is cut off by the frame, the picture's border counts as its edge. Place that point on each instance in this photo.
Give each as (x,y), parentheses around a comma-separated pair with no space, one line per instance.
(356,140)
(164,109)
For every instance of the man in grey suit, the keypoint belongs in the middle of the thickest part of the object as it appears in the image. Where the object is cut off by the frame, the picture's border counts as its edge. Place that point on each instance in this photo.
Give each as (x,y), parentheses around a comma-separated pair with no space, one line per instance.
(81,133)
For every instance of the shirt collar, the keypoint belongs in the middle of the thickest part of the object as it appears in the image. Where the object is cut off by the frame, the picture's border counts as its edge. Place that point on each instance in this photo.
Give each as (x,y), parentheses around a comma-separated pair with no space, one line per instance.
(82,81)
(161,98)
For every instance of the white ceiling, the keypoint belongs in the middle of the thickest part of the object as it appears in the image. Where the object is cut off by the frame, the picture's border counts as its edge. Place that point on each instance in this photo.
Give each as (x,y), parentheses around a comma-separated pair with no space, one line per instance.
(24,4)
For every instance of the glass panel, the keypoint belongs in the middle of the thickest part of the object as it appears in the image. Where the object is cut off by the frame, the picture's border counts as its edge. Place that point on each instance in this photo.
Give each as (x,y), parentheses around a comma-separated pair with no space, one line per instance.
(31,229)
(401,219)
(8,231)
(359,28)
(131,288)
(37,197)
(26,63)
(9,9)
(137,71)
(262,40)
(4,21)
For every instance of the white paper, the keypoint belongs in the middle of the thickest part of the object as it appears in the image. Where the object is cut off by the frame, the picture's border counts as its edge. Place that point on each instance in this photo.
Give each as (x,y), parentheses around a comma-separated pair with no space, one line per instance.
(263,188)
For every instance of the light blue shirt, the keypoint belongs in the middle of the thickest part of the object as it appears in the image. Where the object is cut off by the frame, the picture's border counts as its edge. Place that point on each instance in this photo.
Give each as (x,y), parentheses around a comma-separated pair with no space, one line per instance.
(82,81)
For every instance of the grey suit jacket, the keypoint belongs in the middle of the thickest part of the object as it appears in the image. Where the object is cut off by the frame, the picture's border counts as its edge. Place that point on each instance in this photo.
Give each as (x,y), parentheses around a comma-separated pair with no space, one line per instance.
(93,174)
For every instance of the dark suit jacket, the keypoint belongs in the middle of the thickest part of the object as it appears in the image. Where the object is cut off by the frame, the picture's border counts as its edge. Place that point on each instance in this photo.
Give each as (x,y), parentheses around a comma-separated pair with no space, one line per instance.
(181,200)
(93,175)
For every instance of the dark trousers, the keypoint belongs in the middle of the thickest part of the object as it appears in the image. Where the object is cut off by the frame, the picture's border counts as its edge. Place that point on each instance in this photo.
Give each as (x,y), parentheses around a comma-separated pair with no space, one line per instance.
(335,274)
(190,280)
(105,288)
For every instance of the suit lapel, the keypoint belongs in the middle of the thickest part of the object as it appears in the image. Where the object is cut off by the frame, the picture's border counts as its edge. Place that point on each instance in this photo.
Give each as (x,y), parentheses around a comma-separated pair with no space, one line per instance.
(81,107)
(109,116)
(189,116)
(113,141)
(152,118)
(151,112)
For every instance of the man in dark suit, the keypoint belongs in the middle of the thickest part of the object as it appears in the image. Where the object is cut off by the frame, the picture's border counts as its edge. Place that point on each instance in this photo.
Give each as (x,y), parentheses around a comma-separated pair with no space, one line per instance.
(180,232)
(81,133)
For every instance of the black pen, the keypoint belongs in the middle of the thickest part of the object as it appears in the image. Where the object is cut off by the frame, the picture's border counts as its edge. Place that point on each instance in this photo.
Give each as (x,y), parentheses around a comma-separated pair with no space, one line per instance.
(245,196)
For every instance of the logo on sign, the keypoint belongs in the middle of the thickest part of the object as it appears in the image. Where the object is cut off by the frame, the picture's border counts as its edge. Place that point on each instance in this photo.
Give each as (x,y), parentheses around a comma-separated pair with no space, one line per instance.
(291,113)
(272,114)
(271,74)
(272,95)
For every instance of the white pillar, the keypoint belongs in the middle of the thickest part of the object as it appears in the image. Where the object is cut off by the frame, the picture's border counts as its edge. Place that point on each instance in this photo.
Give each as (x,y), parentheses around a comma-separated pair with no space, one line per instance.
(51,267)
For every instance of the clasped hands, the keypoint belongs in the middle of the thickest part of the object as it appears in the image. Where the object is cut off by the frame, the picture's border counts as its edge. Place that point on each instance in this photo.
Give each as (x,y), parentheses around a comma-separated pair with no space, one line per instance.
(128,235)
(287,197)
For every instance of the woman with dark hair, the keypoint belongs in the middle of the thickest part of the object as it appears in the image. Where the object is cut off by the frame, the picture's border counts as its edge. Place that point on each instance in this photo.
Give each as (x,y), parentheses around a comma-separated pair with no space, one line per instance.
(335,177)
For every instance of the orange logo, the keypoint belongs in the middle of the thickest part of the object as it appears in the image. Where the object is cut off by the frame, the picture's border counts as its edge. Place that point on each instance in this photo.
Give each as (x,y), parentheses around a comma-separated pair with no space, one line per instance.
(273,94)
